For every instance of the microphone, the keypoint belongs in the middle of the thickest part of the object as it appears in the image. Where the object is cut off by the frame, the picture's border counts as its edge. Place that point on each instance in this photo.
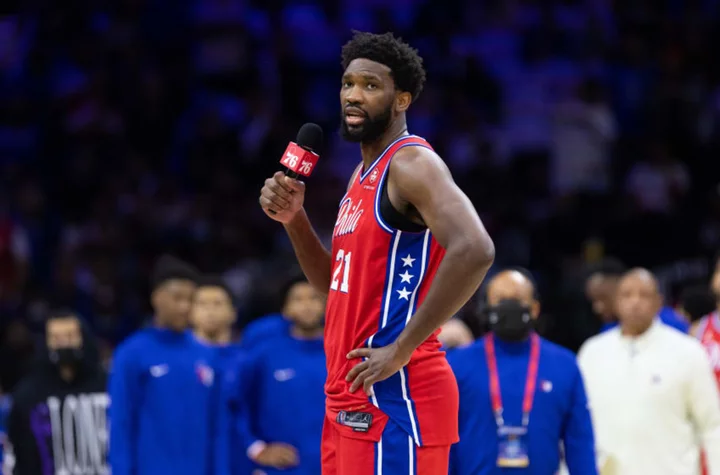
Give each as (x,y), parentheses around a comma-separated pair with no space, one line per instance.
(301,156)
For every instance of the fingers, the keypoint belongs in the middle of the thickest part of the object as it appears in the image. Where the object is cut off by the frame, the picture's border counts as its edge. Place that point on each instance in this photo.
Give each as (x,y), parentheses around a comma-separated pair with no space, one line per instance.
(275,198)
(294,185)
(352,374)
(268,206)
(360,380)
(287,454)
(277,186)
(359,353)
(368,385)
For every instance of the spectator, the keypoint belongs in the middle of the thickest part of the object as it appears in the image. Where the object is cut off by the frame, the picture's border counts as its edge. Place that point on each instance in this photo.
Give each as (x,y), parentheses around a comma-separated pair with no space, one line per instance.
(652,394)
(161,387)
(519,391)
(287,376)
(455,334)
(58,421)
(583,135)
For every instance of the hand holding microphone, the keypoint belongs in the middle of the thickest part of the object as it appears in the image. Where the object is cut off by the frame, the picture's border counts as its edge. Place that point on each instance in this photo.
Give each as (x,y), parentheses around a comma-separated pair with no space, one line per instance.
(283,195)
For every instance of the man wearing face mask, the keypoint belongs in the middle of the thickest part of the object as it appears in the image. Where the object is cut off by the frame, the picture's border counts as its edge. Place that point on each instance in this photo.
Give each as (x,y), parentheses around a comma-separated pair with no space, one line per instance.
(521,397)
(286,376)
(58,421)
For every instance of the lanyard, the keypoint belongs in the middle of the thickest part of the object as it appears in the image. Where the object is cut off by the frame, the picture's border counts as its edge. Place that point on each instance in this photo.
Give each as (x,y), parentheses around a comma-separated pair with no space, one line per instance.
(530,382)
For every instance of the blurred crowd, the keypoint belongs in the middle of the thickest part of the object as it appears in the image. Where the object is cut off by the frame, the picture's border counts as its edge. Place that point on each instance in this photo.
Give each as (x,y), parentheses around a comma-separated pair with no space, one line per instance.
(130,127)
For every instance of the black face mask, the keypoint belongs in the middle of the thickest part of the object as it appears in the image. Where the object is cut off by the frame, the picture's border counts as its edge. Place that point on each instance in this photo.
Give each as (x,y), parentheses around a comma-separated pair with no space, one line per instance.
(510,320)
(66,356)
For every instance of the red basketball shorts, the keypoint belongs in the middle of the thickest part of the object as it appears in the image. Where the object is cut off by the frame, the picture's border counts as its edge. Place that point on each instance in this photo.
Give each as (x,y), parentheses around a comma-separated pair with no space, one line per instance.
(394,454)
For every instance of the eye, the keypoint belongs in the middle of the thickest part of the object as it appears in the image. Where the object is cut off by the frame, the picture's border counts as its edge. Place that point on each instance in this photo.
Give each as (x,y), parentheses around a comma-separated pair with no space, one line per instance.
(372,87)
(346,84)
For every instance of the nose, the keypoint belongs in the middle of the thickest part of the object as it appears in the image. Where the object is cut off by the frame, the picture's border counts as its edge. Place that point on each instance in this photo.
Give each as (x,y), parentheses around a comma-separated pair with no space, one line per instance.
(353,96)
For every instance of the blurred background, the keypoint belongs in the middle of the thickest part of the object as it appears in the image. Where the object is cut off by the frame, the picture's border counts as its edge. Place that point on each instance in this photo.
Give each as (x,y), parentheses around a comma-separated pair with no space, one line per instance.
(128,128)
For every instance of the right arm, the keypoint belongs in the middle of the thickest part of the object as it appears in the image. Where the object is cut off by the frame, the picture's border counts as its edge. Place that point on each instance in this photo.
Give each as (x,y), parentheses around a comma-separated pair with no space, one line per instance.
(311,253)
(282,200)
(124,398)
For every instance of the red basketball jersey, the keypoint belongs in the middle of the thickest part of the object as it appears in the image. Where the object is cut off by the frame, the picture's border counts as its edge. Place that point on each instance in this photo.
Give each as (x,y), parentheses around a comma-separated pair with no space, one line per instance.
(708,332)
(380,275)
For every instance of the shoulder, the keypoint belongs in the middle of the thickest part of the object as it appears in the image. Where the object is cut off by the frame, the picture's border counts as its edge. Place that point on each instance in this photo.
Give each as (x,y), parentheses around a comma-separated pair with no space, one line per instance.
(133,346)
(559,354)
(682,343)
(598,344)
(417,159)
(26,389)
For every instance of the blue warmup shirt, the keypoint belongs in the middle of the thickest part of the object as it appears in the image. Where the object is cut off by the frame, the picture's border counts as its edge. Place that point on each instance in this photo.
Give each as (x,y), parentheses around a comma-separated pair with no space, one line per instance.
(260,330)
(559,412)
(287,402)
(232,426)
(667,315)
(161,393)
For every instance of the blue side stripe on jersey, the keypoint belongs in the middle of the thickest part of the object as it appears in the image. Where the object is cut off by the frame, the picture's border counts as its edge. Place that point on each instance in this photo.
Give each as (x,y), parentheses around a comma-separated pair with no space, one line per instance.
(407,264)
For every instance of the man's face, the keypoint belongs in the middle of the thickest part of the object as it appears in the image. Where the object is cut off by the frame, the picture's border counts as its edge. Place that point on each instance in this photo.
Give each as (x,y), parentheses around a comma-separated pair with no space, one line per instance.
(212,310)
(304,306)
(172,302)
(512,285)
(600,290)
(367,99)
(637,302)
(63,333)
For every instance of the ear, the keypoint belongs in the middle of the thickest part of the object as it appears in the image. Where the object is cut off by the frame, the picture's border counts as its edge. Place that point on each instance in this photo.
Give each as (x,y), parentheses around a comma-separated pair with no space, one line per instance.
(535,309)
(402,101)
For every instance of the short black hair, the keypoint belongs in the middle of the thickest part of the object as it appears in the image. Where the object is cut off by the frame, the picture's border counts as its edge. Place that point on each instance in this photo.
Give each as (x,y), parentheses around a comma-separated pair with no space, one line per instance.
(60,313)
(216,281)
(697,301)
(168,268)
(609,267)
(406,65)
(288,285)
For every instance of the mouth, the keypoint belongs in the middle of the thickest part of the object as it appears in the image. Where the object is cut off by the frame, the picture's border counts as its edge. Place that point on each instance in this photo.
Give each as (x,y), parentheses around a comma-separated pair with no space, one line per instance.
(354,116)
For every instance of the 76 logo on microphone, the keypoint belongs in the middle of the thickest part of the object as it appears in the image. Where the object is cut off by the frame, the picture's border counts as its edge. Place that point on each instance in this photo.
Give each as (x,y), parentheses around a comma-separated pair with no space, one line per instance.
(299,160)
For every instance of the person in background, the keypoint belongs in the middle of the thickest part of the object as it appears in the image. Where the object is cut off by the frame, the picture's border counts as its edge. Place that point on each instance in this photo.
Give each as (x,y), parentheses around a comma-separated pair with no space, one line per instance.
(520,395)
(259,330)
(600,288)
(161,386)
(651,389)
(455,334)
(696,305)
(287,376)
(212,316)
(707,328)
(58,421)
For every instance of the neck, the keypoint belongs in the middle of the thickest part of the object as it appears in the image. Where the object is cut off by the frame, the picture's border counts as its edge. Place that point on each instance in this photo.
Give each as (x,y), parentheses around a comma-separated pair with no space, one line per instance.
(634,332)
(67,373)
(223,337)
(372,150)
(306,333)
(162,324)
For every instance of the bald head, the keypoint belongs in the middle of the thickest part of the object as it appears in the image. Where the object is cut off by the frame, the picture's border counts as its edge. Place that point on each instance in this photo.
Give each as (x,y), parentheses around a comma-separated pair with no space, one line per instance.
(513,285)
(638,300)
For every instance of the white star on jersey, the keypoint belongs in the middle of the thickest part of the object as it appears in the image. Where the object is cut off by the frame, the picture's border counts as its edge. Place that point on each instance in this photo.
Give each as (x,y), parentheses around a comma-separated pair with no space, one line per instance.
(406,277)
(404,293)
(408,261)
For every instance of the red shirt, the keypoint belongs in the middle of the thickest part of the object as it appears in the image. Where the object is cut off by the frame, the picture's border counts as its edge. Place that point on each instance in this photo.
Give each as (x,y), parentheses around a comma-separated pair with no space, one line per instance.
(380,276)
(708,332)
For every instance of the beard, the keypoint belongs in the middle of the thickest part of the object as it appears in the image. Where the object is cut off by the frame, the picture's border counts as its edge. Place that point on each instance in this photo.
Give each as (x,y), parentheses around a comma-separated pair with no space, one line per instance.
(369,131)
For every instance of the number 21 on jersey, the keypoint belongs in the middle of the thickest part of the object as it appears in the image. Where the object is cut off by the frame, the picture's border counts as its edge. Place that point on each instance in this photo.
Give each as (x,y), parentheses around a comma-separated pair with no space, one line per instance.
(342,265)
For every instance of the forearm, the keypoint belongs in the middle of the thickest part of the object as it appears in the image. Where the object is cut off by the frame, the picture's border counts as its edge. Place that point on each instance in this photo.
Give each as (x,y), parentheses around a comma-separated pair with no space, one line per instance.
(459,275)
(314,259)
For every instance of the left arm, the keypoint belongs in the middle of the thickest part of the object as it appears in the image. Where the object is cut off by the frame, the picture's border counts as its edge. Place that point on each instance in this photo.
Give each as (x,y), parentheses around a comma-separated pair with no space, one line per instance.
(420,178)
(704,407)
(577,434)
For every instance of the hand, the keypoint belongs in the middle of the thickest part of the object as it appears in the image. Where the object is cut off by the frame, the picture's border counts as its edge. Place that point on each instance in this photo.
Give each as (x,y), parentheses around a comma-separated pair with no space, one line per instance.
(379,364)
(282,197)
(279,456)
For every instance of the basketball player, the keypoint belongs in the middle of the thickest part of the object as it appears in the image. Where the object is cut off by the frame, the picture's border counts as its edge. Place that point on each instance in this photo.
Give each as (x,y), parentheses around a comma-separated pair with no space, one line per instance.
(408,251)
